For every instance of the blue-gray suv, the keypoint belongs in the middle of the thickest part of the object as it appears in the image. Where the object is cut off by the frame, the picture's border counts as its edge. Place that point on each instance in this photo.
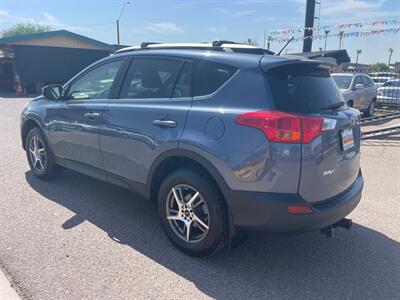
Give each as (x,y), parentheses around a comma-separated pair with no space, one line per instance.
(223,137)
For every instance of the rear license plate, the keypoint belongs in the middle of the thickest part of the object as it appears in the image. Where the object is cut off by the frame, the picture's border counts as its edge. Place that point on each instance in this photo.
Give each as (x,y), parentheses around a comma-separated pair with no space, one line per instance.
(347,139)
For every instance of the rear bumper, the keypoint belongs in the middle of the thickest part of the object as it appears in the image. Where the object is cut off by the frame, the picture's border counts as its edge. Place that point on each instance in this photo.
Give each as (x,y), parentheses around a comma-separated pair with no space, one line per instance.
(268,211)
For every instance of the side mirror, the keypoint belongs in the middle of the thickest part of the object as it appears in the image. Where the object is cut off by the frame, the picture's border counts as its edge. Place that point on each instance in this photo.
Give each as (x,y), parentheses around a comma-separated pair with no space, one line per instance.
(52,92)
(358,86)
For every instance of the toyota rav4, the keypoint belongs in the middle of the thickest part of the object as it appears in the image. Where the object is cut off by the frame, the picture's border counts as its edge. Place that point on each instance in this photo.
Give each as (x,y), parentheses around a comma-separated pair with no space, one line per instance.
(223,137)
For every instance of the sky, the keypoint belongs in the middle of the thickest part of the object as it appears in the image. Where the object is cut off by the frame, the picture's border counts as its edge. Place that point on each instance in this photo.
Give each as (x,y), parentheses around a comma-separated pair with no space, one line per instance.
(204,20)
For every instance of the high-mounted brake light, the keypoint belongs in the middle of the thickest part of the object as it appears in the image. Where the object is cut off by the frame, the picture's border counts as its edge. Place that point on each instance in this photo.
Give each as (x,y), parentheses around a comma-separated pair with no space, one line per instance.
(285,127)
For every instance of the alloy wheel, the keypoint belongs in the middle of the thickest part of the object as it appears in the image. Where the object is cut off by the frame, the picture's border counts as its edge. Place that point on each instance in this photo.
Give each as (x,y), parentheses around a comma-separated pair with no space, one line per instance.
(187,213)
(37,153)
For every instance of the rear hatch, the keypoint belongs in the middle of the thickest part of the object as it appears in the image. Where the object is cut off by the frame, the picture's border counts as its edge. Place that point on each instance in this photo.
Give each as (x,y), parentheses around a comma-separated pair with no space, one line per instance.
(331,160)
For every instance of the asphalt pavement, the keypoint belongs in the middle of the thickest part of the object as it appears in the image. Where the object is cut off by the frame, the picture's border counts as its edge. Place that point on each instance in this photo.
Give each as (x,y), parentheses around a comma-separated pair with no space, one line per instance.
(78,238)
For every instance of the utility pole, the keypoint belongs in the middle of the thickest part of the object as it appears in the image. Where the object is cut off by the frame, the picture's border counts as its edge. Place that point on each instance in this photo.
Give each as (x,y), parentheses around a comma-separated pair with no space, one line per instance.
(117,31)
(119,18)
(341,33)
(265,37)
(309,23)
(390,56)
(326,38)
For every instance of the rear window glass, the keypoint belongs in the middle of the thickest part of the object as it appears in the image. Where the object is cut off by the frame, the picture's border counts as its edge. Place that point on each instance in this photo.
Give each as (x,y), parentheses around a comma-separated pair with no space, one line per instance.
(379,80)
(303,89)
(392,83)
(210,76)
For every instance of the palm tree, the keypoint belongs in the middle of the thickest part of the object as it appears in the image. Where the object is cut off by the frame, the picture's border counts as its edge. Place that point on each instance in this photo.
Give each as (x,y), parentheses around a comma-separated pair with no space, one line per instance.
(326,38)
(358,54)
(390,56)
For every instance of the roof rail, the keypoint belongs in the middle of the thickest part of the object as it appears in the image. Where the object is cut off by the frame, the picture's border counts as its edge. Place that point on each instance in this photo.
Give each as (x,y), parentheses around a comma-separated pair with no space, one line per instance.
(222,45)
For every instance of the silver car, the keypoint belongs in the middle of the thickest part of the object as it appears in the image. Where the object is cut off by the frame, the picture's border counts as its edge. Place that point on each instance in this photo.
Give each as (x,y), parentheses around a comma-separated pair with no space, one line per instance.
(358,90)
(389,94)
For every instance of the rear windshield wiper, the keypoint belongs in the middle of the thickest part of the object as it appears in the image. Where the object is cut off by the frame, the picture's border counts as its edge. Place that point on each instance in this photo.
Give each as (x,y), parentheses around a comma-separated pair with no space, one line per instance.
(334,105)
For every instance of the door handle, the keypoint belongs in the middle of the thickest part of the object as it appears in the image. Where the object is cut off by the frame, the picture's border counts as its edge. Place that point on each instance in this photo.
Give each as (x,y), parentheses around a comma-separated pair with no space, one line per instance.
(165,123)
(92,115)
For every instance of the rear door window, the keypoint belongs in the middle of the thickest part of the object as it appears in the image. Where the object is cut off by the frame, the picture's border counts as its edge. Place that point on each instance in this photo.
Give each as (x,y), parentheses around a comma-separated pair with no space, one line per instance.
(150,78)
(303,89)
(210,76)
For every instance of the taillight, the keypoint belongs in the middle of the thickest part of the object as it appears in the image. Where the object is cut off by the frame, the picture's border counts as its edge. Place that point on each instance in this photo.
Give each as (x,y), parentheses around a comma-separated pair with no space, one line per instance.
(285,127)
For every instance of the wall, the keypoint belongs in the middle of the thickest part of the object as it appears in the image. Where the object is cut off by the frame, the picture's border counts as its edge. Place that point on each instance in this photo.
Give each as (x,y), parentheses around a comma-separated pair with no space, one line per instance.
(38,64)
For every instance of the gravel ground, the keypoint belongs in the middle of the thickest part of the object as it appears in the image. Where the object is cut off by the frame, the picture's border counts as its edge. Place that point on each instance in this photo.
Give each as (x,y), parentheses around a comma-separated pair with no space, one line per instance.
(78,238)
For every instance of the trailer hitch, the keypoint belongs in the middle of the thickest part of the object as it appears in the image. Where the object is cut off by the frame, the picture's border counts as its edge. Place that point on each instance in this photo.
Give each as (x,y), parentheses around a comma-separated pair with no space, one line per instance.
(329,230)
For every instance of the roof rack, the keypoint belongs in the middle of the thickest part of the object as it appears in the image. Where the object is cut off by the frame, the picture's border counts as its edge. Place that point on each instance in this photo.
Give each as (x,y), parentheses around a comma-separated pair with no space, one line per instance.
(221,42)
(146,44)
(220,45)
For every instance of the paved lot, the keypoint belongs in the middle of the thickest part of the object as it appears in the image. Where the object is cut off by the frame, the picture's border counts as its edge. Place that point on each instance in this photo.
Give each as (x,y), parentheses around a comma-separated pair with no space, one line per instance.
(79,238)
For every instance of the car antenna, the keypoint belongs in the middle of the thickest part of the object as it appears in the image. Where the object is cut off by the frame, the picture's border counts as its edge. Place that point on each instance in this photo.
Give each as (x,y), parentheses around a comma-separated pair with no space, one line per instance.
(283,48)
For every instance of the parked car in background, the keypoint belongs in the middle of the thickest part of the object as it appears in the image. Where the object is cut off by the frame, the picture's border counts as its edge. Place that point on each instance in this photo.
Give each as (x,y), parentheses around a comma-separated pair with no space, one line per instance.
(381,77)
(389,94)
(223,137)
(359,91)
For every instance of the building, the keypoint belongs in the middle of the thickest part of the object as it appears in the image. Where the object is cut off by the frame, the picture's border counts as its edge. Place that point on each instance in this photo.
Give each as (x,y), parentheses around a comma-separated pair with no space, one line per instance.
(48,57)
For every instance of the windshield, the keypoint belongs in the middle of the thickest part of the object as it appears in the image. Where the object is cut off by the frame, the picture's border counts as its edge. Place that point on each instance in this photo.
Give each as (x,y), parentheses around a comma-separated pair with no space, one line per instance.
(342,81)
(303,89)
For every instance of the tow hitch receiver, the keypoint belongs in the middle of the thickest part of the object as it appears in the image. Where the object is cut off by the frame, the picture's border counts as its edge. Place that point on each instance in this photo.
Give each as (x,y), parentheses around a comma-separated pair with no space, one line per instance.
(329,230)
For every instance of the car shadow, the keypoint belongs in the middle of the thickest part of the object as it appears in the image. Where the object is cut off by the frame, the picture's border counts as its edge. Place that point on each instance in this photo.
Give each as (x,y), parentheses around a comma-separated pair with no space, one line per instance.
(360,263)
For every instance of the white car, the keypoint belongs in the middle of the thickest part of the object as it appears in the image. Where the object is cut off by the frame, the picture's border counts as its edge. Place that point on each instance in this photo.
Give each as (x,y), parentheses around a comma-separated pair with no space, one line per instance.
(389,94)
(381,77)
(358,90)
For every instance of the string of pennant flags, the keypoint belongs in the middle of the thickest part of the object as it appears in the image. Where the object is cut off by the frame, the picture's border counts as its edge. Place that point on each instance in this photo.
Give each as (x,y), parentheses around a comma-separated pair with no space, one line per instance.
(354,34)
(336,26)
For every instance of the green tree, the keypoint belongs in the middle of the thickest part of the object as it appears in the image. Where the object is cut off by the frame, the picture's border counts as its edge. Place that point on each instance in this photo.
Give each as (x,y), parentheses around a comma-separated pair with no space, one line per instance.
(24,28)
(378,67)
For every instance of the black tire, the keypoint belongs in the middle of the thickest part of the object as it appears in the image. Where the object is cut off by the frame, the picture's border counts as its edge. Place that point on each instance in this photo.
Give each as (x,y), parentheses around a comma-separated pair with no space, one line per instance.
(350,103)
(217,234)
(48,162)
(369,112)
